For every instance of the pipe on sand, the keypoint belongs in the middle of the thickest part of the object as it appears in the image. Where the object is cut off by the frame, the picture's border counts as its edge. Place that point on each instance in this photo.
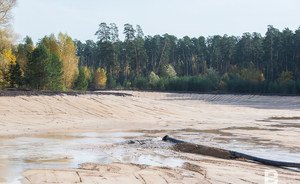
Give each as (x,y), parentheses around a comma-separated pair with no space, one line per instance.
(222,153)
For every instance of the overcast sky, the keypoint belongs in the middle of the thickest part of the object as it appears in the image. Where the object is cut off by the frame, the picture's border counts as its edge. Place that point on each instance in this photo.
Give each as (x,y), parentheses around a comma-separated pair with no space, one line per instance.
(80,18)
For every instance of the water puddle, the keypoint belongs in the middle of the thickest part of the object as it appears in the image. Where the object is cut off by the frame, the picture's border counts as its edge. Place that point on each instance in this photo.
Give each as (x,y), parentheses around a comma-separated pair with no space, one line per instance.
(69,151)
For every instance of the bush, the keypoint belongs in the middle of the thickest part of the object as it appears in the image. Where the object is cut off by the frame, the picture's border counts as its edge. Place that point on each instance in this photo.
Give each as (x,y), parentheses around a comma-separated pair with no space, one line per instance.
(141,83)
(196,83)
(240,81)
(288,87)
(161,85)
(127,84)
(241,86)
(213,76)
(153,79)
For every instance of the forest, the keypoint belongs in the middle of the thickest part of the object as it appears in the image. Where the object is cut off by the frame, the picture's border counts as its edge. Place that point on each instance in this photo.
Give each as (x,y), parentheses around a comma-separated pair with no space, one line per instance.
(251,63)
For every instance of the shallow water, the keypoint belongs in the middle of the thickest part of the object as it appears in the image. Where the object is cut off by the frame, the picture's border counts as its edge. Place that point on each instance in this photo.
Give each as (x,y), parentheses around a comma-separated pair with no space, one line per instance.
(69,151)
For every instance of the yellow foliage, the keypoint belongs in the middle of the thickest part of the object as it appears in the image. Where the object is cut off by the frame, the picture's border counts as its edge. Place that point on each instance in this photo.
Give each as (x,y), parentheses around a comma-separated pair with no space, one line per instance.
(87,72)
(10,56)
(52,44)
(7,59)
(69,59)
(6,56)
(261,77)
(65,49)
(100,78)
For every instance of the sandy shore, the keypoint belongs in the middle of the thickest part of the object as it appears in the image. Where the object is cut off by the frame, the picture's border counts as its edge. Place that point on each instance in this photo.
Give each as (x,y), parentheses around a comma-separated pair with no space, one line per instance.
(258,120)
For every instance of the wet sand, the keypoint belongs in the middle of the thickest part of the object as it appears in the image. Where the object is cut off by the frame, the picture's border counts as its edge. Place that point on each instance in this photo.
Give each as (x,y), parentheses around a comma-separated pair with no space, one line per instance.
(260,125)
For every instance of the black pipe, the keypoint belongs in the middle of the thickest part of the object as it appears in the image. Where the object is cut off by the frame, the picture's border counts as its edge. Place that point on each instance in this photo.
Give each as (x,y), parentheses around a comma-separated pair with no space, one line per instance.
(169,139)
(265,161)
(224,154)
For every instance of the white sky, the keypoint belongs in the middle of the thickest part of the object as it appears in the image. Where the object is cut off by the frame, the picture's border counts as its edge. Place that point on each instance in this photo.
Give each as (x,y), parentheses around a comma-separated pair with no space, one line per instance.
(80,18)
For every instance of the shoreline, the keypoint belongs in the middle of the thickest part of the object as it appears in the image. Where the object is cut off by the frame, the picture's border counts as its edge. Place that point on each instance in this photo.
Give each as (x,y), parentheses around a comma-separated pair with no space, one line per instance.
(122,92)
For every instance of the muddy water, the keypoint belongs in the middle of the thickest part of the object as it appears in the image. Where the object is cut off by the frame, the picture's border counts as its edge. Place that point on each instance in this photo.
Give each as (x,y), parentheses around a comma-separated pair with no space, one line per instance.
(69,151)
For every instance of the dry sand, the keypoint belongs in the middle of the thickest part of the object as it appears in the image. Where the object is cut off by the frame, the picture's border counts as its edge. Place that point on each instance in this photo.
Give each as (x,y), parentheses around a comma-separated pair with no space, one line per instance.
(258,120)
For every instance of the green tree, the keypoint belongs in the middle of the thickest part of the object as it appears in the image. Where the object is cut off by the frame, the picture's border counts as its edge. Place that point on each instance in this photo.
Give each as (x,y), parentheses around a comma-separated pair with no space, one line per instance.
(36,73)
(111,82)
(44,70)
(271,44)
(16,78)
(55,74)
(139,63)
(82,81)
(286,51)
(23,52)
(251,63)
(139,31)
(129,32)
(64,47)
(114,32)
(296,63)
(52,44)
(103,33)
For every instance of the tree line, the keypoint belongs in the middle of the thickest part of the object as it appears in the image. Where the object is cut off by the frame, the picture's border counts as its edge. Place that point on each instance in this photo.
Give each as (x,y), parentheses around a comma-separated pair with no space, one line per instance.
(250,63)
